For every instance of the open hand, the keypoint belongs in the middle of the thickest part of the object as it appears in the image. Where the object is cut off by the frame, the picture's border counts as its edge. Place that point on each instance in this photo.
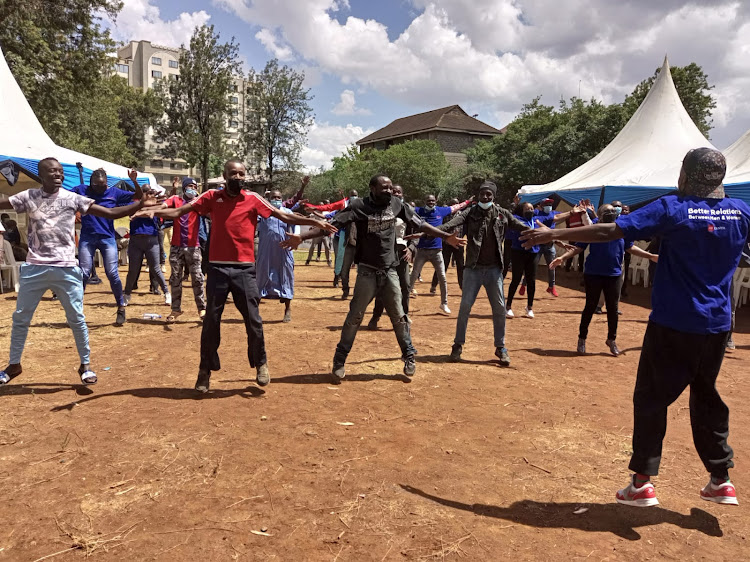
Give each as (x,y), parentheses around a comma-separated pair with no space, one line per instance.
(536,236)
(305,181)
(328,227)
(133,175)
(292,241)
(555,263)
(455,241)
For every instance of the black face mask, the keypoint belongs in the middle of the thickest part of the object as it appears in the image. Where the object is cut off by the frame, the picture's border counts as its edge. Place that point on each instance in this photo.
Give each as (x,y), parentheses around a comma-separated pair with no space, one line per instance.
(383,199)
(528,215)
(235,184)
(609,217)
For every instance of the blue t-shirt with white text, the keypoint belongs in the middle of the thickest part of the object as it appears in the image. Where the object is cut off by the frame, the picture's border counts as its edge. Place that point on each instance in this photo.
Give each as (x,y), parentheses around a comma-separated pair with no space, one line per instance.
(112,197)
(701,244)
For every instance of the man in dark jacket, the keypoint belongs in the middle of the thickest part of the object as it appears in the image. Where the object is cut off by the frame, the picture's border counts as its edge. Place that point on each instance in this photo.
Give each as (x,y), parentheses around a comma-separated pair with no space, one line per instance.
(484,226)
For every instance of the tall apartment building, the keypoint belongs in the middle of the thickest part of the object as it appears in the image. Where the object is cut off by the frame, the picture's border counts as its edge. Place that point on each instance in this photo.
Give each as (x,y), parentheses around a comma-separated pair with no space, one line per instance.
(142,64)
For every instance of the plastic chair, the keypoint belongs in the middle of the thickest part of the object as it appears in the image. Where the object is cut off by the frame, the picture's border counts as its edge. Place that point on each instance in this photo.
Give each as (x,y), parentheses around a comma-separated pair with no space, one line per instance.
(10,265)
(741,285)
(639,268)
(123,253)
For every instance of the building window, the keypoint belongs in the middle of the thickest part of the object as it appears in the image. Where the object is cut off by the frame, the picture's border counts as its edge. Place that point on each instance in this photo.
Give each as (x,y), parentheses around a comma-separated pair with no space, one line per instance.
(156,73)
(234,124)
(234,87)
(175,166)
(174,64)
(234,99)
(158,140)
(235,112)
(122,68)
(156,61)
(157,163)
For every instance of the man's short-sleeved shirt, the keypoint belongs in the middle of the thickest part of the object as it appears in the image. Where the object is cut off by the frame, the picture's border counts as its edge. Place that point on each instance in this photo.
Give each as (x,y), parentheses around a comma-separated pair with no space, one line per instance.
(144,226)
(112,197)
(51,224)
(185,230)
(233,222)
(701,244)
(605,258)
(433,217)
(376,229)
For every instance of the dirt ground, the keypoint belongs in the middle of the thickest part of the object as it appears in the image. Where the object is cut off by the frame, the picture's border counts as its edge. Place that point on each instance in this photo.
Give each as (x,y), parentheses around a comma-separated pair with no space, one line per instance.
(467,460)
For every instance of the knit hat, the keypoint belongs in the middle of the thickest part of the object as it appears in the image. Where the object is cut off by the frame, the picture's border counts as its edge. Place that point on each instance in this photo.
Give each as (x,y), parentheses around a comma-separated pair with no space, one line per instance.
(488,185)
(187,181)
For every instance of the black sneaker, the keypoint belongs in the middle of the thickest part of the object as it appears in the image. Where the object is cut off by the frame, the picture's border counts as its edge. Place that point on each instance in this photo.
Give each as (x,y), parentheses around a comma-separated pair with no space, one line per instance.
(344,294)
(203,382)
(339,371)
(94,281)
(598,310)
(373,324)
(456,350)
(120,320)
(613,347)
(410,366)
(502,354)
(581,349)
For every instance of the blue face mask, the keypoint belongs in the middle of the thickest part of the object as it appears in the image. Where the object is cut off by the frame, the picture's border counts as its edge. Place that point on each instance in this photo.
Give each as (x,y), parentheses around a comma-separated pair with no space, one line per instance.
(618,210)
(276,203)
(547,209)
(191,194)
(485,206)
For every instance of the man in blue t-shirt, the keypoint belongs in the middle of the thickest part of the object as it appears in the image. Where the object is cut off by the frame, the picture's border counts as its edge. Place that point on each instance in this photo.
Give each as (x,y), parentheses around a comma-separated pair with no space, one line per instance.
(98,233)
(430,249)
(702,237)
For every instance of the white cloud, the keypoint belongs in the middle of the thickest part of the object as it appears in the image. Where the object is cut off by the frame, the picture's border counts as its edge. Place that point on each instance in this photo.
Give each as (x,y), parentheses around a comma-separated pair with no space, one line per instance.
(499,54)
(324,141)
(271,43)
(348,105)
(140,19)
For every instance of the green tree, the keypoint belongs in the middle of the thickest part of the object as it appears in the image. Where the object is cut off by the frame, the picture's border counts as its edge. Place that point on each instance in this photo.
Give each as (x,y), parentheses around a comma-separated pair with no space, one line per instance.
(59,54)
(279,116)
(196,106)
(694,90)
(136,112)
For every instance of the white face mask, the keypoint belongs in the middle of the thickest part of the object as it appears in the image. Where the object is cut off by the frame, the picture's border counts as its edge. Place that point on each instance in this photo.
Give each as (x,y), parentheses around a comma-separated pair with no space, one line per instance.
(547,209)
(485,206)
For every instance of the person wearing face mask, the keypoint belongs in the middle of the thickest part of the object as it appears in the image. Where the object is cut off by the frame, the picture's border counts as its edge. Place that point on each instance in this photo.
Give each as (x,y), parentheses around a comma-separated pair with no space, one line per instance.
(430,249)
(234,217)
(690,320)
(546,216)
(98,233)
(377,261)
(485,225)
(524,262)
(144,242)
(274,264)
(601,274)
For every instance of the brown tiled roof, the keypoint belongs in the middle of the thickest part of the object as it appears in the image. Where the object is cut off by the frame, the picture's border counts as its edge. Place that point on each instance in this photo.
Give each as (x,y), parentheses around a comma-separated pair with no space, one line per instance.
(451,118)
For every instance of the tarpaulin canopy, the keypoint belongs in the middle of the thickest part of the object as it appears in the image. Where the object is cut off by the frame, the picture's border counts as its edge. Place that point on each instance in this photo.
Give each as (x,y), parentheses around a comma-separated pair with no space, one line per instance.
(642,162)
(24,143)
(737,180)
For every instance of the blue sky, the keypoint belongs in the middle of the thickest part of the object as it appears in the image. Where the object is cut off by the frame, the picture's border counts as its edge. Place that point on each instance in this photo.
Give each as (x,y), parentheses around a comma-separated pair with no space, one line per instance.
(369,62)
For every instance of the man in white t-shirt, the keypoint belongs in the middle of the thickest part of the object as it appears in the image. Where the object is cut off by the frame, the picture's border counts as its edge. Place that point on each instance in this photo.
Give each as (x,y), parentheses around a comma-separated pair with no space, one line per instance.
(51,261)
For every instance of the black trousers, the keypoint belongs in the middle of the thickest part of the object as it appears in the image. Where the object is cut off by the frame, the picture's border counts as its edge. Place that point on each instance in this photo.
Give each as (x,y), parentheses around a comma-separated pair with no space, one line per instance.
(524,264)
(595,284)
(458,257)
(625,270)
(240,281)
(670,362)
(346,266)
(402,270)
(507,250)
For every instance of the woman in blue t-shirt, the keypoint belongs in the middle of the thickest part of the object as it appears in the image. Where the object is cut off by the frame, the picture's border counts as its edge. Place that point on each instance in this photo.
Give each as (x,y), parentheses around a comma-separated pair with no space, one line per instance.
(602,273)
(524,262)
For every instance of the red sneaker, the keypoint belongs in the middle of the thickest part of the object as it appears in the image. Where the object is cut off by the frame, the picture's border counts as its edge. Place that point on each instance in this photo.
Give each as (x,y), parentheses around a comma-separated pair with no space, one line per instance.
(553,291)
(522,290)
(645,496)
(720,493)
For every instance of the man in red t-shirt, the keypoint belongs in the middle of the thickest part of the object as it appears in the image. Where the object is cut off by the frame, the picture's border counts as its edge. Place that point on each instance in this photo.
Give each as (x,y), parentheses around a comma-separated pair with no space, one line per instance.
(185,252)
(231,255)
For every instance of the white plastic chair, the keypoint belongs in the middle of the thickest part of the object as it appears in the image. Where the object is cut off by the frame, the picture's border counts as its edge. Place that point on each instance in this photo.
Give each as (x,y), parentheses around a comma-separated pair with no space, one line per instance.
(11,266)
(741,285)
(638,269)
(123,254)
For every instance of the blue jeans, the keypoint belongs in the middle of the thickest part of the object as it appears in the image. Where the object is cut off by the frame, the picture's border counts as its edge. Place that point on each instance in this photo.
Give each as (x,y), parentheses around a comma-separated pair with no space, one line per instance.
(67,284)
(435,257)
(491,278)
(108,247)
(373,283)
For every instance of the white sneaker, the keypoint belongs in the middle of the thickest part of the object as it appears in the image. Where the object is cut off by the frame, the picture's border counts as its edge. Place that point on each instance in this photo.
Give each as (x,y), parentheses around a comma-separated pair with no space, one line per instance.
(444,309)
(413,293)
(529,313)
(126,299)
(509,314)
(168,299)
(163,268)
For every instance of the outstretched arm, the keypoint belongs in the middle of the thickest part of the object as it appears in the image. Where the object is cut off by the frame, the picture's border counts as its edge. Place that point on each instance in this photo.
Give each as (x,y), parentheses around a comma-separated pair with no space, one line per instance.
(147,200)
(461,206)
(458,220)
(292,201)
(165,212)
(451,239)
(566,256)
(601,232)
(5,204)
(293,218)
(641,253)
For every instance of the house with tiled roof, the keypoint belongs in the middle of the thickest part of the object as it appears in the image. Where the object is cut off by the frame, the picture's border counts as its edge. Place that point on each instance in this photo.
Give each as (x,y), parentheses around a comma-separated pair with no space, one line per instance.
(451,127)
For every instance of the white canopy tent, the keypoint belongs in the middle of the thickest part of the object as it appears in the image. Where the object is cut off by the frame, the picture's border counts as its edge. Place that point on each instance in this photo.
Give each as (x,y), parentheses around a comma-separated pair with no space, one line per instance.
(737,180)
(24,142)
(642,162)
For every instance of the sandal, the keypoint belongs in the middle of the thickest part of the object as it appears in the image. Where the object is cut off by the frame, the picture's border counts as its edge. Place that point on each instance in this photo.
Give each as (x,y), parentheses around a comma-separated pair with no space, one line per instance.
(172,318)
(88,376)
